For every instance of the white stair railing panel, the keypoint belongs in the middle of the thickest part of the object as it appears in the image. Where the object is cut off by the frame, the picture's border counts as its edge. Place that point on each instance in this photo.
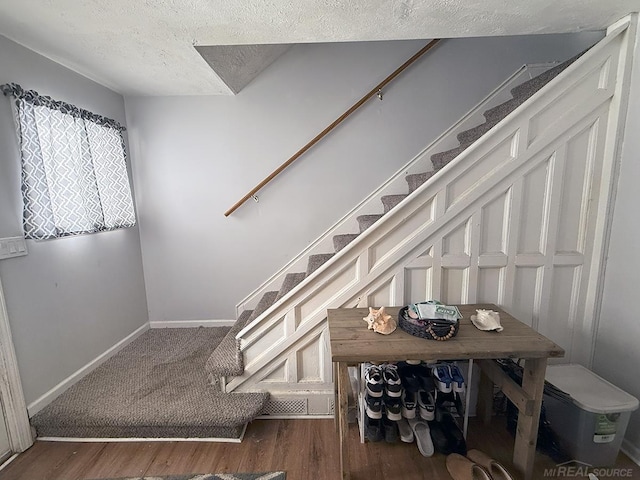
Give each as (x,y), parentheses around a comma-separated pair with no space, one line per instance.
(517,219)
(396,184)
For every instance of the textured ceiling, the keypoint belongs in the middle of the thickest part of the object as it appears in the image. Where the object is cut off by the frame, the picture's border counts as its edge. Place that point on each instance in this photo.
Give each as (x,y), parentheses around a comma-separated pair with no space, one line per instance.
(237,65)
(146,47)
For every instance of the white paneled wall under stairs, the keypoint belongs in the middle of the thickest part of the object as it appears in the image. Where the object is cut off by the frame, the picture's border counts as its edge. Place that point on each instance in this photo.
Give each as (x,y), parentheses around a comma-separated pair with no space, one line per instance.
(518,219)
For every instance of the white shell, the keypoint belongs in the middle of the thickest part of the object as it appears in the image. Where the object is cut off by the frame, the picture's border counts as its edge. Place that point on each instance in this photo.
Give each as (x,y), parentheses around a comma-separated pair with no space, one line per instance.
(487,320)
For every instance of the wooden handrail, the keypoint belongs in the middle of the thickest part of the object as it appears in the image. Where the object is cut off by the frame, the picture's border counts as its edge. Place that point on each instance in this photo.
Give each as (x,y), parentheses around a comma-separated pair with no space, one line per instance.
(337,122)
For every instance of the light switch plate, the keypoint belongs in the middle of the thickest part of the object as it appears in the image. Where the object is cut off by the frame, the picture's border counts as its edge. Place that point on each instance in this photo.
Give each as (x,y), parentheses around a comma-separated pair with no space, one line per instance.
(12,247)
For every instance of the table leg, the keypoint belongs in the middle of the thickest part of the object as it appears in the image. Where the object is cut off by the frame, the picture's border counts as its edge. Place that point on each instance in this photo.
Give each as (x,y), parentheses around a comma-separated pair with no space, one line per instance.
(527,432)
(343,405)
(484,407)
(336,403)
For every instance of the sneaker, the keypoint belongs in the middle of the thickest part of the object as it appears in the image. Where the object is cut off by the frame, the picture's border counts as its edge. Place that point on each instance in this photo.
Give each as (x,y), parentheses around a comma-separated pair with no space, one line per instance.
(408,378)
(373,381)
(392,382)
(456,378)
(442,377)
(409,404)
(393,408)
(426,379)
(373,406)
(427,405)
(373,429)
(390,430)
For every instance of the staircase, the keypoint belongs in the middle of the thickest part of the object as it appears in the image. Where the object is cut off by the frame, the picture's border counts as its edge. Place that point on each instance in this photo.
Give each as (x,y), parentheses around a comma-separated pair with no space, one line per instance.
(465,220)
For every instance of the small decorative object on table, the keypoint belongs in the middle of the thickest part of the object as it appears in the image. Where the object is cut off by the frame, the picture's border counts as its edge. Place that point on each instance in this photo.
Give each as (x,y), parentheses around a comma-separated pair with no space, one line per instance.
(487,320)
(380,322)
(431,320)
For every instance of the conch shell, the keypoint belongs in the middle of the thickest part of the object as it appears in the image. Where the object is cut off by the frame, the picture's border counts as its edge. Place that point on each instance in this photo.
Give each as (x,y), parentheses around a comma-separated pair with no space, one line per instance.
(380,322)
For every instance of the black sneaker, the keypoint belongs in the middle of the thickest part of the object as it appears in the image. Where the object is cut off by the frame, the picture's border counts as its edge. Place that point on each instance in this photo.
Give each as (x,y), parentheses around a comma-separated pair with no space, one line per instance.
(373,380)
(392,382)
(390,430)
(373,429)
(373,406)
(410,381)
(427,405)
(393,407)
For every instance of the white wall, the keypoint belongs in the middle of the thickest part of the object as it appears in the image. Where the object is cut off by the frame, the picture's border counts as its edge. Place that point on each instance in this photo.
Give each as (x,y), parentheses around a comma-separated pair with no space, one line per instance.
(617,351)
(195,157)
(70,299)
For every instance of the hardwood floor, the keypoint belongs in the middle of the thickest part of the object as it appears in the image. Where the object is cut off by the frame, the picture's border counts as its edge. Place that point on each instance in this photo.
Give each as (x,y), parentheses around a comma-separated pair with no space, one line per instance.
(305,449)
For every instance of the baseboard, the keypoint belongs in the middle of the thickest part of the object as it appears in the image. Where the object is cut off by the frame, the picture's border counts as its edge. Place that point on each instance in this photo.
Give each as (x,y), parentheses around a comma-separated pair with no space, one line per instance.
(191,323)
(146,439)
(37,405)
(631,451)
(8,461)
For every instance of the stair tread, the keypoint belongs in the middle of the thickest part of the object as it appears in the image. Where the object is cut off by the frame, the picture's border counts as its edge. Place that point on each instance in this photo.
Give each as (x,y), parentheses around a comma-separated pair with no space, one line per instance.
(291,280)
(467,137)
(225,360)
(317,260)
(414,180)
(365,221)
(539,81)
(342,240)
(439,160)
(390,201)
(264,303)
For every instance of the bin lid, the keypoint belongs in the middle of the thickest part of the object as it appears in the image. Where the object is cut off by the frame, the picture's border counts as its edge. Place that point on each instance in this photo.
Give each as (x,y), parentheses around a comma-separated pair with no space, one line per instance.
(589,391)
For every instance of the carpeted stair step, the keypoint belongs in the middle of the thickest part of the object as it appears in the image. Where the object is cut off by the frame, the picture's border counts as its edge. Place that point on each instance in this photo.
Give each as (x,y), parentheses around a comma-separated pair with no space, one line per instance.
(497,113)
(390,201)
(316,261)
(265,302)
(530,87)
(439,160)
(467,137)
(365,221)
(290,281)
(341,241)
(155,387)
(226,359)
(416,179)
(521,93)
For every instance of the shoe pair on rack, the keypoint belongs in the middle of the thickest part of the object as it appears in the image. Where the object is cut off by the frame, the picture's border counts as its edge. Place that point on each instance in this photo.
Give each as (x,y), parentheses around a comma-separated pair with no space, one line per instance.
(382,402)
(419,391)
(384,388)
(383,379)
(448,377)
(476,465)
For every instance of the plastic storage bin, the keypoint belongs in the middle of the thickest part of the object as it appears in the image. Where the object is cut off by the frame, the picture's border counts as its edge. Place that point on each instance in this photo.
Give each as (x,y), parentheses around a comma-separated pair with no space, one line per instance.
(591,423)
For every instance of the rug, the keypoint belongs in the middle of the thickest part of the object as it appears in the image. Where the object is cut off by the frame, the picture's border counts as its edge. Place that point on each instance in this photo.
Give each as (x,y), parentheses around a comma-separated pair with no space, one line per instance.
(213,476)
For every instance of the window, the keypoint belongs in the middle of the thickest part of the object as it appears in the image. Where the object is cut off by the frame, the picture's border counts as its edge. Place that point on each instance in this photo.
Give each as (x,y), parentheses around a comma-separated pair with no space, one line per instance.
(74,174)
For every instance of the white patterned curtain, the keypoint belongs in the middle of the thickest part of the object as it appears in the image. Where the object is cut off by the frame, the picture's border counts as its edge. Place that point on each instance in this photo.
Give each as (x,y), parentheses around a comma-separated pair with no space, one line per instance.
(74,174)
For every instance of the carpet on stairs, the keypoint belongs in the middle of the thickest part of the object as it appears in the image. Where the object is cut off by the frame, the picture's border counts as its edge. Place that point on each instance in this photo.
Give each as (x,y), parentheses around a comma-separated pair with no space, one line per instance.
(155,387)
(228,349)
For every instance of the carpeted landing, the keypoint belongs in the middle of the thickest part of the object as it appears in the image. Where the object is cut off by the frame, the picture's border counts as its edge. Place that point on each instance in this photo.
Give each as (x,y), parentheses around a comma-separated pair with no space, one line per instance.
(155,387)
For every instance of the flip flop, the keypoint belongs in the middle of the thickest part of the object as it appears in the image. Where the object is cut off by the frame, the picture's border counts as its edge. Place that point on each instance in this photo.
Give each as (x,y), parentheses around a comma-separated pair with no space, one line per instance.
(423,436)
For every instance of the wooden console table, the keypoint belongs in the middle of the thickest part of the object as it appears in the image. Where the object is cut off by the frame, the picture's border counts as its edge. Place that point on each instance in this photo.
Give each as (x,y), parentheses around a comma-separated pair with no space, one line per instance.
(352,344)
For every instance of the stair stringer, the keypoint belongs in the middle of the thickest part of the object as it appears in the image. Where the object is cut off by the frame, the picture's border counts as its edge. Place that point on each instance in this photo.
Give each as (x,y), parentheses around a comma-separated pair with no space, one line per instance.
(396,184)
(517,219)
